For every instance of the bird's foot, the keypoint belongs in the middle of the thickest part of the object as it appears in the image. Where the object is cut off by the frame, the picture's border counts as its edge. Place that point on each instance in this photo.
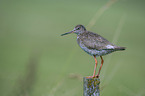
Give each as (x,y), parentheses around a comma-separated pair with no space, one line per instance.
(90,77)
(97,76)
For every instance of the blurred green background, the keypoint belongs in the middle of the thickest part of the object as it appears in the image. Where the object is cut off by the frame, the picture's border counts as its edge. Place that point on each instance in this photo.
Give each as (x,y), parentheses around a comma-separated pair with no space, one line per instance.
(36,61)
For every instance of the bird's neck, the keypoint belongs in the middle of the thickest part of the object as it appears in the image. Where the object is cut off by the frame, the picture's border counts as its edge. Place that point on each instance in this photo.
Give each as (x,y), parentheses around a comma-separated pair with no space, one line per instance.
(81,33)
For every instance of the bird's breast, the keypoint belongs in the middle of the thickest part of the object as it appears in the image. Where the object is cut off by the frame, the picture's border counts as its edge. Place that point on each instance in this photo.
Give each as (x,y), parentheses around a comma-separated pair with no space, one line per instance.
(80,43)
(92,52)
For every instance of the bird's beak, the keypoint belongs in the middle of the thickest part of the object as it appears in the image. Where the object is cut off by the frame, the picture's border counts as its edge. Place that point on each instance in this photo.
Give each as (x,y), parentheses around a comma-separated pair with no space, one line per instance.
(67,33)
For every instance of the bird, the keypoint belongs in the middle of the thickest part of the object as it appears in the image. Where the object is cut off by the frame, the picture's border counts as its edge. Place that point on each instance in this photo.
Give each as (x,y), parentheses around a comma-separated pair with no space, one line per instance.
(94,44)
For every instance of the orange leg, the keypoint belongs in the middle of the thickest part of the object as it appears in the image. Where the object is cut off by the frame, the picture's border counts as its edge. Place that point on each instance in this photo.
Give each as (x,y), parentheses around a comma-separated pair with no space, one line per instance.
(95,66)
(102,61)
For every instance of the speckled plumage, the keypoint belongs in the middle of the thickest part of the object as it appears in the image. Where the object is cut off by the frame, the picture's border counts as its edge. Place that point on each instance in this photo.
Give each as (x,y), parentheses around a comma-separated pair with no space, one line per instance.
(93,44)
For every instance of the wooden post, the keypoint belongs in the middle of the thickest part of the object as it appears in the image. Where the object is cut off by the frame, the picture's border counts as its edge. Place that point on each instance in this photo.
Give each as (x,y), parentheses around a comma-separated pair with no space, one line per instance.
(91,86)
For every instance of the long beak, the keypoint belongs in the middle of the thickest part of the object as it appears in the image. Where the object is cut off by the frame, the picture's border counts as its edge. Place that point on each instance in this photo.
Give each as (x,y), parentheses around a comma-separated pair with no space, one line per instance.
(67,33)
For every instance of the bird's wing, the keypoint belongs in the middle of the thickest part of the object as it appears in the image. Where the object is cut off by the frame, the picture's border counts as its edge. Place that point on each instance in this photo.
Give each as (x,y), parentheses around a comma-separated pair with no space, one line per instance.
(94,41)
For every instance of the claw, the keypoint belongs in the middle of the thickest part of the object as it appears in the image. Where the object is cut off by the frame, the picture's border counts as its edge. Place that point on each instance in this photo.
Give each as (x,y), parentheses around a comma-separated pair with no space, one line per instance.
(91,77)
(97,76)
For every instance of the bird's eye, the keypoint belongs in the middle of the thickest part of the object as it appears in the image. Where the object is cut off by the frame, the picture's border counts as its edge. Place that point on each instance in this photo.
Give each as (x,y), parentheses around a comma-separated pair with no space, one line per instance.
(78,28)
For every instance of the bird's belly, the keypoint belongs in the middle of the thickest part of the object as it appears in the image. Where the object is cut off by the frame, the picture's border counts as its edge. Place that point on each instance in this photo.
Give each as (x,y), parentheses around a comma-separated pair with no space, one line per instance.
(95,52)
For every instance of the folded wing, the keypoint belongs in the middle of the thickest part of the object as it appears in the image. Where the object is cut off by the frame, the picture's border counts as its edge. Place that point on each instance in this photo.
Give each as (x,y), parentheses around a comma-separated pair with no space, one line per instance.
(94,41)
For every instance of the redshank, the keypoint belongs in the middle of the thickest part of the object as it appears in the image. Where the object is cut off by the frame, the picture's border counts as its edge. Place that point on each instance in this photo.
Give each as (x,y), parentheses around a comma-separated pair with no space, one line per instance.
(94,44)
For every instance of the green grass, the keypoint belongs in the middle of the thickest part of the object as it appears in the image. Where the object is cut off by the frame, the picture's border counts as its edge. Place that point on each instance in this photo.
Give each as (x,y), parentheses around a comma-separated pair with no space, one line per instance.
(31,30)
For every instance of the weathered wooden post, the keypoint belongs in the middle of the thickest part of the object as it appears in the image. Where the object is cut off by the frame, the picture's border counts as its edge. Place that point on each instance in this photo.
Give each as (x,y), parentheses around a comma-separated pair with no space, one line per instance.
(91,86)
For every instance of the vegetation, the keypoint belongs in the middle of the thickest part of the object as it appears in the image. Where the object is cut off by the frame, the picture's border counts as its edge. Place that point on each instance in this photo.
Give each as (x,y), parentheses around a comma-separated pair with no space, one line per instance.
(36,61)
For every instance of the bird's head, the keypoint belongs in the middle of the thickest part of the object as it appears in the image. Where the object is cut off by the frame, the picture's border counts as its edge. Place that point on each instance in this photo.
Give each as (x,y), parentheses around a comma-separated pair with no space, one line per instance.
(77,30)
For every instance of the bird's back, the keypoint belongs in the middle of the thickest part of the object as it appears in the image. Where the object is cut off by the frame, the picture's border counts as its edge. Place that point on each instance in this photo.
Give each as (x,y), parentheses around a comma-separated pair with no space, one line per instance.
(93,43)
